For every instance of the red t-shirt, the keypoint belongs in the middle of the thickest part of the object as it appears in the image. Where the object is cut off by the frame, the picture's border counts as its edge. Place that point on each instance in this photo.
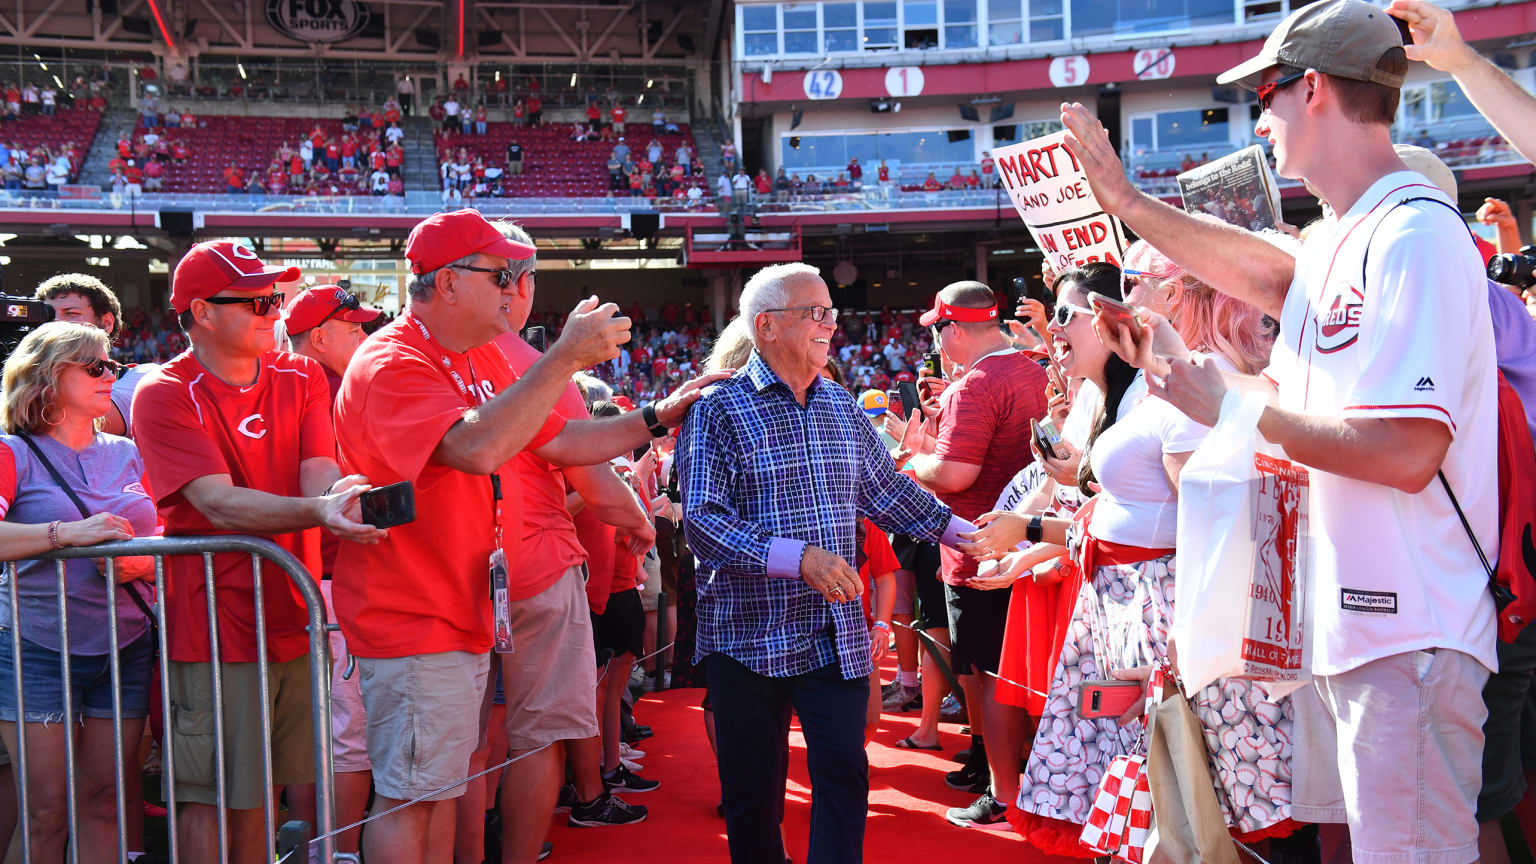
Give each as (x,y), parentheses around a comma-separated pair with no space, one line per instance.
(394,156)
(349,147)
(885,173)
(425,590)
(534,104)
(189,424)
(376,160)
(550,543)
(332,151)
(879,560)
(984,420)
(597,539)
(618,114)
(153,169)
(593,113)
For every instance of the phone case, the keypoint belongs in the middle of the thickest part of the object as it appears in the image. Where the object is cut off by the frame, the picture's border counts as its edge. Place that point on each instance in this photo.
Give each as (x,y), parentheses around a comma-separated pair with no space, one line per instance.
(1107,698)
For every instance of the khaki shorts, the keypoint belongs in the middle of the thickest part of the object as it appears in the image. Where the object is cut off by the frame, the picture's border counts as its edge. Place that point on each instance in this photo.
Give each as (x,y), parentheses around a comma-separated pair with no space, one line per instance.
(193,742)
(650,592)
(423,720)
(1394,748)
(550,679)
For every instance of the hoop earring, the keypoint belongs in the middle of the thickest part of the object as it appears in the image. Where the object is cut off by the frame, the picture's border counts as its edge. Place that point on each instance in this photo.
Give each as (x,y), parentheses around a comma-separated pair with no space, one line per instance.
(57,422)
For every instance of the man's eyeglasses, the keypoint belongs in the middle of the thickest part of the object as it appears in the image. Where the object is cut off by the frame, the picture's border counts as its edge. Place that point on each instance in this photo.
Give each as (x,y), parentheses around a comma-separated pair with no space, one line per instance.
(344,300)
(1266,92)
(503,277)
(96,368)
(1065,312)
(260,305)
(815,313)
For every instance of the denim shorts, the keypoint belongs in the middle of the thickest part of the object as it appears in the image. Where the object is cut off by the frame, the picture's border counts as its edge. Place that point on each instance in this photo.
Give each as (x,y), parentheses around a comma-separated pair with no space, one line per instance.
(90,681)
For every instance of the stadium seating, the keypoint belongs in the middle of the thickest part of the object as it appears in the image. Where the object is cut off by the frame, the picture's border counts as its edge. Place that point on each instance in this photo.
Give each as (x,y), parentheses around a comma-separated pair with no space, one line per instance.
(554,166)
(35,130)
(249,142)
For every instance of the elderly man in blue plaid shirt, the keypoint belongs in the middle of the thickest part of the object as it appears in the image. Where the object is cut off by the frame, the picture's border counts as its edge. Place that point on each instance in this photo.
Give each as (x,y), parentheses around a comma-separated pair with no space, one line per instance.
(777,466)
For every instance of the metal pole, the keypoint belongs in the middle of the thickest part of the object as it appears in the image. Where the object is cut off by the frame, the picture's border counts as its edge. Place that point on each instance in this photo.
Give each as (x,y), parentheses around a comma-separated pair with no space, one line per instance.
(20,756)
(69,718)
(167,752)
(264,691)
(216,670)
(115,662)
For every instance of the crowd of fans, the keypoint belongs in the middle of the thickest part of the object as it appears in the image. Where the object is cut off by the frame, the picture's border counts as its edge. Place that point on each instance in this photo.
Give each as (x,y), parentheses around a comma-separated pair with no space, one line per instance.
(1024,509)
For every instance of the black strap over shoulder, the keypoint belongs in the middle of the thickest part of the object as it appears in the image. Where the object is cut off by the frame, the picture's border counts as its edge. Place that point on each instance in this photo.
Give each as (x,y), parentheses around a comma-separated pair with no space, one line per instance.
(138,600)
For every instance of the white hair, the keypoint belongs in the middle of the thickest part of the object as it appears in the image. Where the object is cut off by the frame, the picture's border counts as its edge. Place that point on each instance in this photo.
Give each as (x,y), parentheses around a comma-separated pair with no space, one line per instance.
(767,290)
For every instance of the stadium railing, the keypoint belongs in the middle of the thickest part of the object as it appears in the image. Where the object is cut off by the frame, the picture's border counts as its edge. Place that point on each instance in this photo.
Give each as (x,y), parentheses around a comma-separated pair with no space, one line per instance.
(319,671)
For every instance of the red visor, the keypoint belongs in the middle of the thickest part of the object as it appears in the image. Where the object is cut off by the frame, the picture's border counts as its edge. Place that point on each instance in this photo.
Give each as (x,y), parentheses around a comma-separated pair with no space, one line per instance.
(942,310)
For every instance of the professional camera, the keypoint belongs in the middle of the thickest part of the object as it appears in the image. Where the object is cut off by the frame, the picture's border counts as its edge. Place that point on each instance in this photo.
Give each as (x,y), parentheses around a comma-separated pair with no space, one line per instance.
(1514,268)
(18,317)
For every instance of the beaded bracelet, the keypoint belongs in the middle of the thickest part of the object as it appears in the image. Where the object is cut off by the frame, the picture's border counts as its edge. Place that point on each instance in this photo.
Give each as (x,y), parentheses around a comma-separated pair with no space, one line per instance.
(53,535)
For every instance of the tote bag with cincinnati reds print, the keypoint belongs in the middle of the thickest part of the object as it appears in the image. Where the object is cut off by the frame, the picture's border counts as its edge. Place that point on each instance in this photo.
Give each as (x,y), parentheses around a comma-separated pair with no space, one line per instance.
(1242,541)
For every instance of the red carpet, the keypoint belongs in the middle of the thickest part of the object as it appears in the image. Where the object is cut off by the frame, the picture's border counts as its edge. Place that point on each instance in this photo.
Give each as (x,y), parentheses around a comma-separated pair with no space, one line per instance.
(907,800)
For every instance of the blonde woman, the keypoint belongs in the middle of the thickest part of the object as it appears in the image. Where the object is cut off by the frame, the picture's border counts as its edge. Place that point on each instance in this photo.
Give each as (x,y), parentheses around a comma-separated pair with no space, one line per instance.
(57,388)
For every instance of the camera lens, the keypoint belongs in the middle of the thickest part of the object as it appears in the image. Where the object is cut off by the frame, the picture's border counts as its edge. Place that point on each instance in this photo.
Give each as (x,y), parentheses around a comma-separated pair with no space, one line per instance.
(1513,269)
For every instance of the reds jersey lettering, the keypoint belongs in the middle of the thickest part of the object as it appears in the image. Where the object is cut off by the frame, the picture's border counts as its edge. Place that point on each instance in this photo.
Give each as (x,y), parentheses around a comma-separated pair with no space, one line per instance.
(1339,326)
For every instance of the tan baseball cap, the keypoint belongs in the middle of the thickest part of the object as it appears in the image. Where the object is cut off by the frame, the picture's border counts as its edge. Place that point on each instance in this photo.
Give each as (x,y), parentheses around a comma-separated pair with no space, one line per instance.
(1346,38)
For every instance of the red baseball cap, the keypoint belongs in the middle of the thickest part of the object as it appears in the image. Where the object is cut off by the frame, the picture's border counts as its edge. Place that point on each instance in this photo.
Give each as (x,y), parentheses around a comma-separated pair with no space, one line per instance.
(624,403)
(314,306)
(221,265)
(443,238)
(956,313)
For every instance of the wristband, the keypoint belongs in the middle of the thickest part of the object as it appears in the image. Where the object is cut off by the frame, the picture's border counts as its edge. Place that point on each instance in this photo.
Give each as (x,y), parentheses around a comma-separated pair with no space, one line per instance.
(652,422)
(1034,530)
(53,535)
(883,626)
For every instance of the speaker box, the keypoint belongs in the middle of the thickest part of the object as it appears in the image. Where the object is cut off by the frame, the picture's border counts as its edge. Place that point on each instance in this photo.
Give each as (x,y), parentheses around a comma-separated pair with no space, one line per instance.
(428,38)
(177,223)
(643,224)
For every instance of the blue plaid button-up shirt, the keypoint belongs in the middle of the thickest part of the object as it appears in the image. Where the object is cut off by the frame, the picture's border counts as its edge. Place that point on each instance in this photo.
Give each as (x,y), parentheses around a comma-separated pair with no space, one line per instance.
(761,476)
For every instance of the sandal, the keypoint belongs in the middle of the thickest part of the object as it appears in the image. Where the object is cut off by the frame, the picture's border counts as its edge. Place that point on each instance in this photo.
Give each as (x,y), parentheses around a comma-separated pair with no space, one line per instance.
(908,744)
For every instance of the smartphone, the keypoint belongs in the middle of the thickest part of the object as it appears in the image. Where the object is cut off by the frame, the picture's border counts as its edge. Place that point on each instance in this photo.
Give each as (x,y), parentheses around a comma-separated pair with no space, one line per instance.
(1030,289)
(910,401)
(1106,698)
(1115,311)
(388,506)
(535,336)
(1046,437)
(895,404)
(931,364)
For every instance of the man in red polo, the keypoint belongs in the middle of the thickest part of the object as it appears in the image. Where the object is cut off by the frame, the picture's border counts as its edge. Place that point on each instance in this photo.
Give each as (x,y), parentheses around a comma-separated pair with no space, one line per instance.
(237,439)
(416,609)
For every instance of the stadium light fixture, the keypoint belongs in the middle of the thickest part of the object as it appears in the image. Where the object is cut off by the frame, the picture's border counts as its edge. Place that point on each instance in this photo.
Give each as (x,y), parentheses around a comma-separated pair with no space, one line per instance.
(58,82)
(240,67)
(641,100)
(649,83)
(573,79)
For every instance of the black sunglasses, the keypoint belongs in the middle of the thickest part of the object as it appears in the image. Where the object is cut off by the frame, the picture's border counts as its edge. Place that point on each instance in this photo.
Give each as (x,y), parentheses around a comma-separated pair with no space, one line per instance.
(1266,92)
(344,300)
(504,276)
(96,368)
(260,305)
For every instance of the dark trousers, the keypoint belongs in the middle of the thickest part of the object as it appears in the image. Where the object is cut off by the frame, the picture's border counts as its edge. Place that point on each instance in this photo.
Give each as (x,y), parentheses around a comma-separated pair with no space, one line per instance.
(752,738)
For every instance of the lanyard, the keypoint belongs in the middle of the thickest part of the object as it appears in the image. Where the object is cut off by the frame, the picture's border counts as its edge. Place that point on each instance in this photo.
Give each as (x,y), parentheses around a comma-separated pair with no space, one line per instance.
(469,398)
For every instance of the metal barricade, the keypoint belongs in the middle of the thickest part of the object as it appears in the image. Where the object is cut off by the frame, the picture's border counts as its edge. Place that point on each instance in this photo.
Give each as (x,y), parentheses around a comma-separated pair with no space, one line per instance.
(320,684)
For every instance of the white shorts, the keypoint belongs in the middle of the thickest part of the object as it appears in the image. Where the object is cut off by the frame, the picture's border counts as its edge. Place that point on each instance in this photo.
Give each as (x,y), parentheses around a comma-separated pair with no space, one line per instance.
(1395,748)
(349,721)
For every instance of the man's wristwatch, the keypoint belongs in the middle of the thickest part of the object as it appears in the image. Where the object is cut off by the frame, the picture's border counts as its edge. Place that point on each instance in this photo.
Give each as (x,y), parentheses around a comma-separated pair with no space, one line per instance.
(1033,530)
(652,422)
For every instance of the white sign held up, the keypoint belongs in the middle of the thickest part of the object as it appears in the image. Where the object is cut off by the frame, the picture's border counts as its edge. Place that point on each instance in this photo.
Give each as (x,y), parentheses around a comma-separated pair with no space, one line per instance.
(1051,193)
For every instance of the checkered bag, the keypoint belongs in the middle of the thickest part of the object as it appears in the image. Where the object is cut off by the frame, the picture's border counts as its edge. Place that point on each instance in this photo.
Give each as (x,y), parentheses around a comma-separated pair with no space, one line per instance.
(1121,817)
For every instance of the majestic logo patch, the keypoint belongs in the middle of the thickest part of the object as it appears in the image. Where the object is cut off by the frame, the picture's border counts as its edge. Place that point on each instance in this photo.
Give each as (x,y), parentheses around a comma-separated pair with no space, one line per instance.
(1425,385)
(1371,602)
(1339,327)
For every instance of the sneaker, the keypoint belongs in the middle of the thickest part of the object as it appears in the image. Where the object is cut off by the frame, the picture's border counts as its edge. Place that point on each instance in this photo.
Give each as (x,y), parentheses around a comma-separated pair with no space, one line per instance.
(631,764)
(629,752)
(901,698)
(887,690)
(985,813)
(546,850)
(951,711)
(624,779)
(968,779)
(608,809)
(567,798)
